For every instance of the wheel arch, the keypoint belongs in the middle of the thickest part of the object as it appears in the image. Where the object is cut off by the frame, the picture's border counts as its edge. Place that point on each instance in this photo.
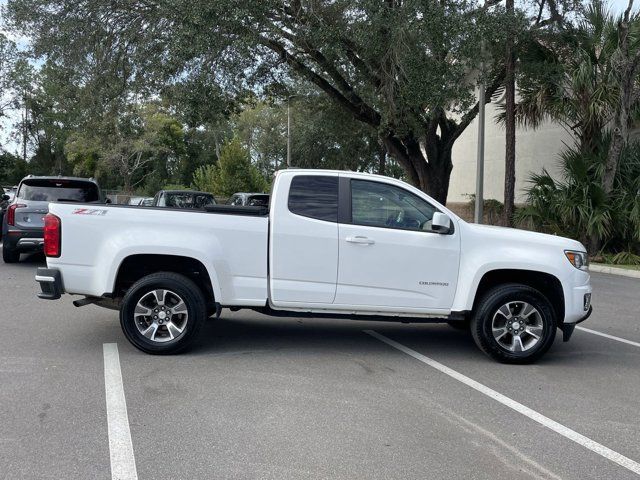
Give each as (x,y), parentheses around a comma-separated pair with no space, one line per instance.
(134,267)
(547,284)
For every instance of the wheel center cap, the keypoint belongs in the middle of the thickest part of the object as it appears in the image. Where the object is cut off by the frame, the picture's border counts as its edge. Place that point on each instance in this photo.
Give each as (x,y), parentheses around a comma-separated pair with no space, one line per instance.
(162,315)
(515,325)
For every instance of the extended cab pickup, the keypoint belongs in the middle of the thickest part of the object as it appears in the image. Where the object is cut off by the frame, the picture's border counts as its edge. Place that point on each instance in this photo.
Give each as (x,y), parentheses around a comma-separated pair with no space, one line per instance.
(332,244)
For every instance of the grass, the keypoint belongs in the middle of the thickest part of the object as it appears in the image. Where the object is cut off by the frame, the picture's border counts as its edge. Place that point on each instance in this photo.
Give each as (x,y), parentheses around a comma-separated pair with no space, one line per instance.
(626,267)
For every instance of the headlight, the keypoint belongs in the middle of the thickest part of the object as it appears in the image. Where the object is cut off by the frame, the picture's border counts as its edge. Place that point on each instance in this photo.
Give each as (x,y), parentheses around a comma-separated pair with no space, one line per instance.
(579,260)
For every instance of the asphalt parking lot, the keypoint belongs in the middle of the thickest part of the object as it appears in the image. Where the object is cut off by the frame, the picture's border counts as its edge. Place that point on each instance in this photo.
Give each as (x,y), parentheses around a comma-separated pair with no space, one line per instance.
(263,398)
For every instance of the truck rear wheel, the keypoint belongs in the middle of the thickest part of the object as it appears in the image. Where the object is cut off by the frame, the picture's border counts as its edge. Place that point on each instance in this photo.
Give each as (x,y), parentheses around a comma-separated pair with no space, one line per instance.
(514,324)
(162,313)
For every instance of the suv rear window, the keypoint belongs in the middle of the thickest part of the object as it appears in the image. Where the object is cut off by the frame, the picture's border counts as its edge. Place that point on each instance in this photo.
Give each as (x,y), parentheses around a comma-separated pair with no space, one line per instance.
(314,196)
(58,189)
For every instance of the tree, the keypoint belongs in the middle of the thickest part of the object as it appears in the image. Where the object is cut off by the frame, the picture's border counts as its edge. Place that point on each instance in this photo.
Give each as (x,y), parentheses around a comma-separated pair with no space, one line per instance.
(142,140)
(323,136)
(577,77)
(510,123)
(8,57)
(12,169)
(233,173)
(403,68)
(626,64)
(568,77)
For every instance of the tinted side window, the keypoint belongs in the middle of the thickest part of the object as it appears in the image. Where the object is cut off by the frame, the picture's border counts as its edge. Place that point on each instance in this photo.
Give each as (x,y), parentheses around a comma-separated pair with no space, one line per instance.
(382,205)
(314,196)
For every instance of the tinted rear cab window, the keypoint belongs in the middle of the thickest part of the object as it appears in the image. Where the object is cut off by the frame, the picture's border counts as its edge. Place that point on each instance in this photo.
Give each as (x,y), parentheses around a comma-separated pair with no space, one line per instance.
(55,190)
(314,196)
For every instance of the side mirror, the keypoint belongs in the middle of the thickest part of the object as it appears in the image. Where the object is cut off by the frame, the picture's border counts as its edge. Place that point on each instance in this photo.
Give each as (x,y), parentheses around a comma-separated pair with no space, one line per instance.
(107,200)
(440,223)
(6,197)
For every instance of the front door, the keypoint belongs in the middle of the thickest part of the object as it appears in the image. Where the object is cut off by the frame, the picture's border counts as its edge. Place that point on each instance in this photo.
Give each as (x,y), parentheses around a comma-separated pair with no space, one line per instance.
(390,257)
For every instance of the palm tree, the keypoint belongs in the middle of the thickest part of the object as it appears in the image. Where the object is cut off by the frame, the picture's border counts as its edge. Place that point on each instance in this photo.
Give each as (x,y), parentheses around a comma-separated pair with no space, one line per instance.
(568,77)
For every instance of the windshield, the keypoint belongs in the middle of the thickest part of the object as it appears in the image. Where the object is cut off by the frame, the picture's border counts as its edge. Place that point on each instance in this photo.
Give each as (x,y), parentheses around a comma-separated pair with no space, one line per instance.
(53,190)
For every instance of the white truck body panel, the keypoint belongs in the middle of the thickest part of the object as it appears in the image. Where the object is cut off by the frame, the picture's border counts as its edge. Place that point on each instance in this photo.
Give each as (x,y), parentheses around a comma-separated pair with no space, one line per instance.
(232,249)
(298,263)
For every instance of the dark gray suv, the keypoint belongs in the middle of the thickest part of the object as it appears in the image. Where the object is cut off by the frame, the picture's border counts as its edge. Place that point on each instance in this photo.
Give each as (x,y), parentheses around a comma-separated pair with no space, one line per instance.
(23,221)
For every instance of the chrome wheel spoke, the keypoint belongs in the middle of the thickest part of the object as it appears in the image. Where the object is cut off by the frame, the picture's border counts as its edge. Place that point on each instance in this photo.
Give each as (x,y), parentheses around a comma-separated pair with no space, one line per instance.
(534,331)
(141,310)
(505,311)
(498,333)
(159,296)
(517,326)
(173,330)
(150,332)
(516,344)
(179,308)
(157,320)
(527,310)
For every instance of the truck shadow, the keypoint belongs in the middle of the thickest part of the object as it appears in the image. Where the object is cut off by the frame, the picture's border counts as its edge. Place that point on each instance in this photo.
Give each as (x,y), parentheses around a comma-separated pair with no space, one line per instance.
(245,334)
(36,259)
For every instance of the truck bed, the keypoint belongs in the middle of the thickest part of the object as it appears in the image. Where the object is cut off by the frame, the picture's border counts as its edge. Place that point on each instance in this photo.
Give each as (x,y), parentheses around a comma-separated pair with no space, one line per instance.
(230,244)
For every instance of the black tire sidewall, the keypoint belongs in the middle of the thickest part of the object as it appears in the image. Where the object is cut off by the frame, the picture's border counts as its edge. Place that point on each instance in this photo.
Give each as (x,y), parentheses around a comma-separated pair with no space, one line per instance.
(494,299)
(9,255)
(190,294)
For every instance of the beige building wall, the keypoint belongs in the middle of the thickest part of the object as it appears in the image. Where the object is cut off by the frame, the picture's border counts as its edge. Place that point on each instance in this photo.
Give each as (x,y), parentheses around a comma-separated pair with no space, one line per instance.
(535,150)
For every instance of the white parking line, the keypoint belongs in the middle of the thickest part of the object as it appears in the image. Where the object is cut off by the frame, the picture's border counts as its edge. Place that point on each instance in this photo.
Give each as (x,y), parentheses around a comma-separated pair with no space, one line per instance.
(610,337)
(123,463)
(518,407)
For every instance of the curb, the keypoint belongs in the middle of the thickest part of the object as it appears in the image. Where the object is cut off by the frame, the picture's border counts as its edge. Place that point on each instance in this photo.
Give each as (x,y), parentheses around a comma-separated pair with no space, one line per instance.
(614,271)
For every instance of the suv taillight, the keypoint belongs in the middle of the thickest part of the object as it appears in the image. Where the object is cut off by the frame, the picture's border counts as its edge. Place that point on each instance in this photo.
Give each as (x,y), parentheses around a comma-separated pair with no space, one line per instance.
(52,235)
(11,213)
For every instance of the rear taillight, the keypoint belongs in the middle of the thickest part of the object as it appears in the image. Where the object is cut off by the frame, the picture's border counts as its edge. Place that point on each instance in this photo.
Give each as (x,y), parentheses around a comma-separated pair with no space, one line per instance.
(52,235)
(11,213)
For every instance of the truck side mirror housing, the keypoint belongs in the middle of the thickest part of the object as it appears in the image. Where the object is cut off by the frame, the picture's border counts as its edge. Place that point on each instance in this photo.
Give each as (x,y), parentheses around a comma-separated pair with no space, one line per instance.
(440,223)
(107,200)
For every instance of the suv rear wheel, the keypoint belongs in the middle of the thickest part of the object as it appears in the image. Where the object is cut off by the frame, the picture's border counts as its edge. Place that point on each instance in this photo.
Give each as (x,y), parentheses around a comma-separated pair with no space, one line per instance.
(162,313)
(514,323)
(9,255)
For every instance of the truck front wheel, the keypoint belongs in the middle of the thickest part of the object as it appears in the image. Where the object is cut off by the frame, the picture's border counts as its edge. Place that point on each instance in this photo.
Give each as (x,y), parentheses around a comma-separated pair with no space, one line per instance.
(162,313)
(514,323)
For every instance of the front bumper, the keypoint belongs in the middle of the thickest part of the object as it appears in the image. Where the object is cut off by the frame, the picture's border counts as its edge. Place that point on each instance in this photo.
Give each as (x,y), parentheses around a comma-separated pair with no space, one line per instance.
(50,281)
(568,328)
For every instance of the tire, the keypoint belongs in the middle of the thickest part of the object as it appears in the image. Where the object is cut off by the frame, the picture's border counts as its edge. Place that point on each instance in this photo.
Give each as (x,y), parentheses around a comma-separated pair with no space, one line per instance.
(168,331)
(502,309)
(9,255)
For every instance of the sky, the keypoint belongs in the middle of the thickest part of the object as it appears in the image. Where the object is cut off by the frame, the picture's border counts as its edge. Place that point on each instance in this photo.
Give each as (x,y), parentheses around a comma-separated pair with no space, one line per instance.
(618,6)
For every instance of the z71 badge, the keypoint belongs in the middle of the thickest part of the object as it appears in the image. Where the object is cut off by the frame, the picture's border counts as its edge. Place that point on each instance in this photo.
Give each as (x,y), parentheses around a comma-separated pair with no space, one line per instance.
(89,211)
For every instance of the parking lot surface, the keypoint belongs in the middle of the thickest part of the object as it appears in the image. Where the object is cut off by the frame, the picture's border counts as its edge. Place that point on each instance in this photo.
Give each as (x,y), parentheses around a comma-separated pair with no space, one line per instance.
(272,398)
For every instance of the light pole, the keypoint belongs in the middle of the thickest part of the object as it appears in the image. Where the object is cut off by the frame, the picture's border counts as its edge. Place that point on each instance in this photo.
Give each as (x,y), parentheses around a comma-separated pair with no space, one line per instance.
(480,166)
(289,130)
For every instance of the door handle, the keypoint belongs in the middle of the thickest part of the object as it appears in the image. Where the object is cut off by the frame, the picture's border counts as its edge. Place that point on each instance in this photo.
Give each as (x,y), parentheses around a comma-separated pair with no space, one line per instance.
(361,240)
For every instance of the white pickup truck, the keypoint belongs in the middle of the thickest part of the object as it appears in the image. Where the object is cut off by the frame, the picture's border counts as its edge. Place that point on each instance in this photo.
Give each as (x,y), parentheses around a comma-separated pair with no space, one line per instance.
(331,244)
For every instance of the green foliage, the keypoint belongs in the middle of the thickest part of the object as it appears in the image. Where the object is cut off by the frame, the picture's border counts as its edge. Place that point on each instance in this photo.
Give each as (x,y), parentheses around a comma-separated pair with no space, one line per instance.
(12,169)
(204,179)
(400,68)
(576,205)
(234,172)
(141,141)
(622,258)
(570,76)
